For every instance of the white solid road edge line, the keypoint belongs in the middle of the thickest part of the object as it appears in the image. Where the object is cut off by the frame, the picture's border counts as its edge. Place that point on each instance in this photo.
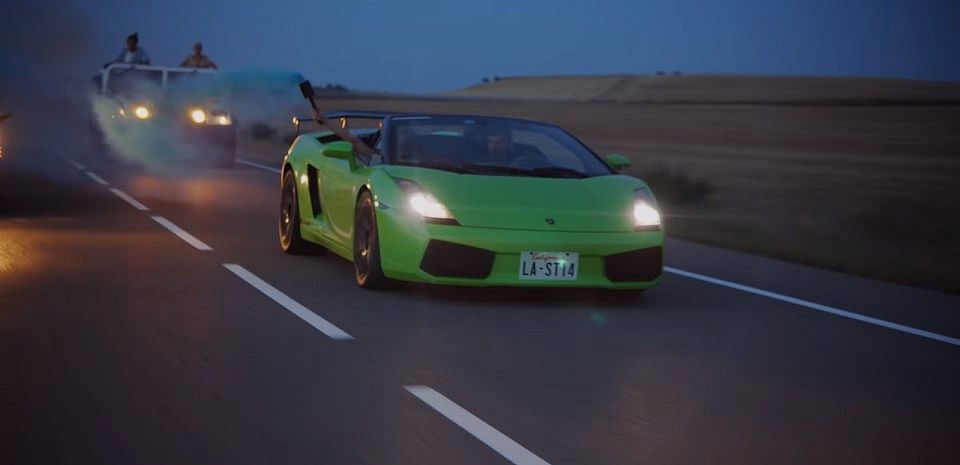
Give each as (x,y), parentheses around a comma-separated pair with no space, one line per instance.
(478,428)
(132,201)
(816,306)
(98,179)
(187,237)
(285,301)
(258,165)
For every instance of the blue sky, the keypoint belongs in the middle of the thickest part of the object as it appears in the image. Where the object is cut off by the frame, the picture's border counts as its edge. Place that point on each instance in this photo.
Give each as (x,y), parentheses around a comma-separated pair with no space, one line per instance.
(426,46)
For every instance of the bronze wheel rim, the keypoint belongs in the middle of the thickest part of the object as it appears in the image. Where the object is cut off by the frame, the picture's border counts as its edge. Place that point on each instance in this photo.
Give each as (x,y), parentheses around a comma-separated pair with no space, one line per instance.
(287,213)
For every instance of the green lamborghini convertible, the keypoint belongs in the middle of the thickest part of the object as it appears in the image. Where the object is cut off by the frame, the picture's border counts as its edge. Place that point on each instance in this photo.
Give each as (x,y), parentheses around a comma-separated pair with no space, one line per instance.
(468,200)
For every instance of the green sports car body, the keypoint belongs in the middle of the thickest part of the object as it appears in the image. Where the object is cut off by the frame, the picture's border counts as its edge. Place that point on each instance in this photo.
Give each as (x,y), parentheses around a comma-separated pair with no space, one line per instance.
(469,200)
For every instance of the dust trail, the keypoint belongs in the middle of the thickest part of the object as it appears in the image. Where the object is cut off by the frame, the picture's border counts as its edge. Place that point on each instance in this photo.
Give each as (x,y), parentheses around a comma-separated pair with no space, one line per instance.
(169,136)
(48,62)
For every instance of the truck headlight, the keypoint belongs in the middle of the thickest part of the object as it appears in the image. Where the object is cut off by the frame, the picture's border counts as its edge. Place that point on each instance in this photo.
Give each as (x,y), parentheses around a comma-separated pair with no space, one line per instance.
(213,117)
(198,115)
(220,118)
(141,112)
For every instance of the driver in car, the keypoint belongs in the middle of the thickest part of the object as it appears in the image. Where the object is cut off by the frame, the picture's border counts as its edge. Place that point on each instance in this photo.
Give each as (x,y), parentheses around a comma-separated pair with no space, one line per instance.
(502,150)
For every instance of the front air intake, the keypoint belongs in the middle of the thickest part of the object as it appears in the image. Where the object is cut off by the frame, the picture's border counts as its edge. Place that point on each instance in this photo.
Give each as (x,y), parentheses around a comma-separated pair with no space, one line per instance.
(635,265)
(449,260)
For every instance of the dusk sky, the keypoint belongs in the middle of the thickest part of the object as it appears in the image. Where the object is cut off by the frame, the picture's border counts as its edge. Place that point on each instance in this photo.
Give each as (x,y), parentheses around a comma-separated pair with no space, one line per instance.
(427,46)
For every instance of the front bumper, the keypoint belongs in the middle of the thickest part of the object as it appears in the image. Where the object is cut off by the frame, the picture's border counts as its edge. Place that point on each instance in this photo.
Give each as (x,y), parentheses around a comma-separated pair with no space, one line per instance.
(208,135)
(163,132)
(628,260)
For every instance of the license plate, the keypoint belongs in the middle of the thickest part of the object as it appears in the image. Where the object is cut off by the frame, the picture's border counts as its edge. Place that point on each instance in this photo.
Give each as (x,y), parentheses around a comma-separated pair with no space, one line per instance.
(549,266)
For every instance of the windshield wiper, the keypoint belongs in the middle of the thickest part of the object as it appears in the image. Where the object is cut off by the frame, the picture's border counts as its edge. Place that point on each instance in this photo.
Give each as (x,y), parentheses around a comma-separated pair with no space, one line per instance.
(558,172)
(481,168)
(540,172)
(435,166)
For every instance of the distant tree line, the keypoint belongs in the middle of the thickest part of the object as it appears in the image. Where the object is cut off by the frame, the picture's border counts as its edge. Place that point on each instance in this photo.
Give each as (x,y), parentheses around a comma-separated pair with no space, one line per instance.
(487,80)
(333,87)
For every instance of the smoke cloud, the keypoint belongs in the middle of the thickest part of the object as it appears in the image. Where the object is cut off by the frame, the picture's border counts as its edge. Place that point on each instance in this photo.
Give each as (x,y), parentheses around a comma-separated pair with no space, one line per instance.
(169,135)
(49,64)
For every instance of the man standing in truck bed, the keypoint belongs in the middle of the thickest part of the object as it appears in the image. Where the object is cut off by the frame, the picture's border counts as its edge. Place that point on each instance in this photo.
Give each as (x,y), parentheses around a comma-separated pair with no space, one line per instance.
(197,59)
(132,54)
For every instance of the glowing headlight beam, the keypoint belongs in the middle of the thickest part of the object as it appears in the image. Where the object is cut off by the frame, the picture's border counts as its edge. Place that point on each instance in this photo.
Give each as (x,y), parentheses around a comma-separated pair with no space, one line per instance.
(645,215)
(428,207)
(198,116)
(141,112)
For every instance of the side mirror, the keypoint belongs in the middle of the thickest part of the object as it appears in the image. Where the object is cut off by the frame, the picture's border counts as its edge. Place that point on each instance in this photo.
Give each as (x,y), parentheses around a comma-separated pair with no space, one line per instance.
(306,89)
(340,150)
(617,162)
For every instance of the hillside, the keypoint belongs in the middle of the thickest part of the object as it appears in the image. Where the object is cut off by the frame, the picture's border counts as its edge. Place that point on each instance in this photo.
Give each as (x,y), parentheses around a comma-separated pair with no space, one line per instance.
(719,89)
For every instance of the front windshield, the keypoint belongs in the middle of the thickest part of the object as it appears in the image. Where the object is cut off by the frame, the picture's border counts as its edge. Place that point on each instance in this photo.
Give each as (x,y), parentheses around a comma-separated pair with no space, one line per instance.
(135,82)
(132,82)
(491,146)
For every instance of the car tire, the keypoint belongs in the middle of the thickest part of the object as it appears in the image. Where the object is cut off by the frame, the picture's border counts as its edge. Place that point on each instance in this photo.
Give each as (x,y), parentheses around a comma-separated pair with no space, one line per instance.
(366,246)
(291,241)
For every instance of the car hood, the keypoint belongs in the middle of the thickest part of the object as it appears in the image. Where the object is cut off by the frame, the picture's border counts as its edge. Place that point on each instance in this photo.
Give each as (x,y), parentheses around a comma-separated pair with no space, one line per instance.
(596,204)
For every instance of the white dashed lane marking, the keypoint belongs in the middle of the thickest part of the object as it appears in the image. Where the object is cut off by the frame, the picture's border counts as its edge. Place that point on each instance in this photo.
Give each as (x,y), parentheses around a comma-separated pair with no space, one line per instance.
(187,237)
(132,201)
(258,166)
(478,428)
(815,306)
(288,303)
(98,179)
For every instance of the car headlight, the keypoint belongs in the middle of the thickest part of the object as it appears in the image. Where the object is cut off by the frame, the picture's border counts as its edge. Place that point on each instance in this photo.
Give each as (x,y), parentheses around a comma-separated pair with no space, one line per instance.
(646,215)
(425,204)
(198,115)
(221,119)
(141,112)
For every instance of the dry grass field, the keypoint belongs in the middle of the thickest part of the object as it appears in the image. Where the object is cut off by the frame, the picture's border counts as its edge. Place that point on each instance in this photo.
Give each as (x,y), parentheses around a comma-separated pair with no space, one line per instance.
(716,89)
(869,189)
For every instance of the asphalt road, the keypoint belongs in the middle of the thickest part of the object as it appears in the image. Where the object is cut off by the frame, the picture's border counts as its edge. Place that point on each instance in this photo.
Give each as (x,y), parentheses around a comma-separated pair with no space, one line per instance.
(123,342)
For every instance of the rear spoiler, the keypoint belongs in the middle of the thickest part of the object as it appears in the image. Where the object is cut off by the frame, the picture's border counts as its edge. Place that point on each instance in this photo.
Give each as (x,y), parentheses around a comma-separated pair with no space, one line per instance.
(345,116)
(297,121)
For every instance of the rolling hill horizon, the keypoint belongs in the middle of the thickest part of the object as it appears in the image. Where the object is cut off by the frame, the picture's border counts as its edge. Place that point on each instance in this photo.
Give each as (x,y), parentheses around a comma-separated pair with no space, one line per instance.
(633,88)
